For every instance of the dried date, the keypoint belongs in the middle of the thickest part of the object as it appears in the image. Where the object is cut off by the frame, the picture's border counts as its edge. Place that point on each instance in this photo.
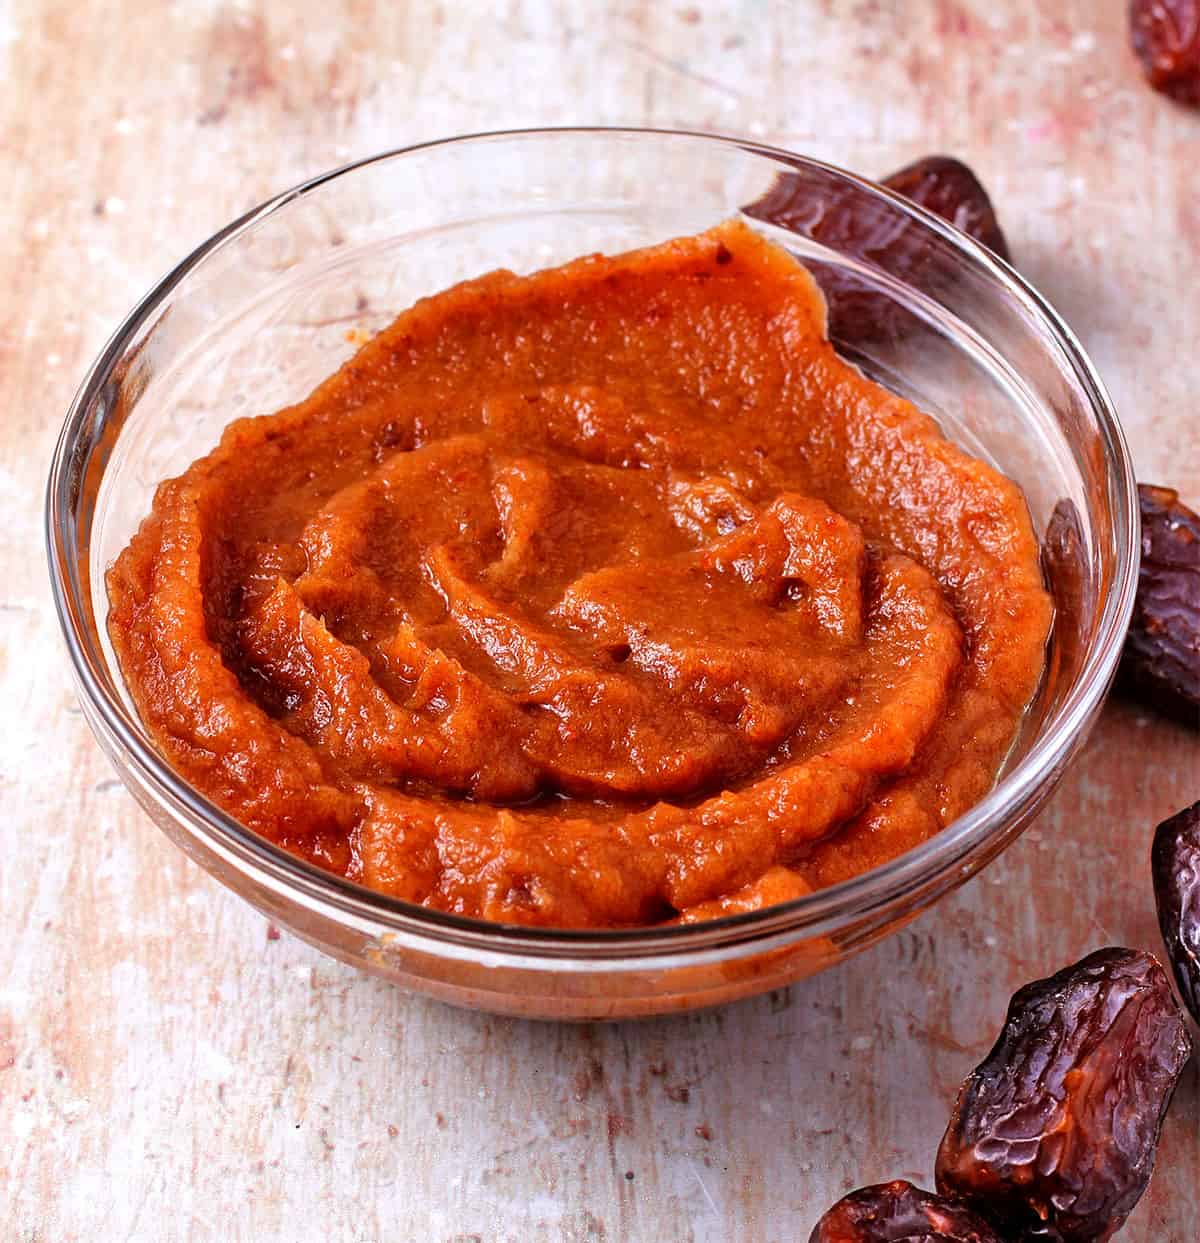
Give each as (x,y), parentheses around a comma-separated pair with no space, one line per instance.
(1166,39)
(948,188)
(898,1212)
(843,220)
(1053,1135)
(1175,863)
(1161,660)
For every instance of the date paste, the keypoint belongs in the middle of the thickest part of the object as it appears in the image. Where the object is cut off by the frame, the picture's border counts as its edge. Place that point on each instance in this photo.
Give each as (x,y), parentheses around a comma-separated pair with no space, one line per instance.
(594,598)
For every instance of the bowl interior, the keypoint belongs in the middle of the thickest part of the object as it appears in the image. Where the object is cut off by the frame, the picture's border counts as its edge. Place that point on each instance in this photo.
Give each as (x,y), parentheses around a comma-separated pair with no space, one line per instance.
(269,309)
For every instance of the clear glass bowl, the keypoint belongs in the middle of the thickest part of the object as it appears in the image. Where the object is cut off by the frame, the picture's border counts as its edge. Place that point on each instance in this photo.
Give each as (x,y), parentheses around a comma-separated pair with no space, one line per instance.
(254,318)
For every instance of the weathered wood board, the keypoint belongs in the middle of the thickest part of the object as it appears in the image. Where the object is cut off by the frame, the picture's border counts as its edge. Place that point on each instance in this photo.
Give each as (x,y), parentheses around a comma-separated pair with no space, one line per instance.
(168,1070)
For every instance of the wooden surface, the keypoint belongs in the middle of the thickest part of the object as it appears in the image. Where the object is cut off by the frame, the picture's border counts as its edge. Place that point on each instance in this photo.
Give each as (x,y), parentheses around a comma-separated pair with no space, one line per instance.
(169,1068)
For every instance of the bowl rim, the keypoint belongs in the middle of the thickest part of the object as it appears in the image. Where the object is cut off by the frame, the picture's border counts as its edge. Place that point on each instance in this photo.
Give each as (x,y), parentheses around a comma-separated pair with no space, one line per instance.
(811,915)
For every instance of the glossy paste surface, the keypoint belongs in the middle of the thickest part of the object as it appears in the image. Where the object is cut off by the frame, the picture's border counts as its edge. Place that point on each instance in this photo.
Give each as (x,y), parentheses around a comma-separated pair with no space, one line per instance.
(597,597)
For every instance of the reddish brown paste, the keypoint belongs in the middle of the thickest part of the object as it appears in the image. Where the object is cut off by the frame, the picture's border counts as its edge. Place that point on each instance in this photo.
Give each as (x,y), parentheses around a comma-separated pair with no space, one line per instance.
(590,598)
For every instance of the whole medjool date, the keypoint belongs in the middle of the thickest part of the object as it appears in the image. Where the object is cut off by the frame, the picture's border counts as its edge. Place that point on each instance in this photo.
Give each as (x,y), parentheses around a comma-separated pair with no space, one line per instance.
(898,1212)
(1175,863)
(1053,1135)
(857,227)
(1161,660)
(1166,39)
(948,188)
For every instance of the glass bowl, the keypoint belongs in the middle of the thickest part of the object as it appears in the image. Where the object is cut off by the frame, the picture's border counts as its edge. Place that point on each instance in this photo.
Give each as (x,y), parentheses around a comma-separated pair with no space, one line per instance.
(259,314)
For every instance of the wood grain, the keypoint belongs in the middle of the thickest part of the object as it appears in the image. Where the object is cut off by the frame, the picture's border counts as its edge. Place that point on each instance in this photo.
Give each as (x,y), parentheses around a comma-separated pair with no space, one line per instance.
(168,1070)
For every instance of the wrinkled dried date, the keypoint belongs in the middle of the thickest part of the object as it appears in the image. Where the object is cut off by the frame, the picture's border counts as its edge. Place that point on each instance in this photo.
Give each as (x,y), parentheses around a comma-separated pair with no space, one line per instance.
(841,220)
(1053,1134)
(898,1212)
(831,216)
(1175,862)
(948,188)
(1166,38)
(1161,661)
